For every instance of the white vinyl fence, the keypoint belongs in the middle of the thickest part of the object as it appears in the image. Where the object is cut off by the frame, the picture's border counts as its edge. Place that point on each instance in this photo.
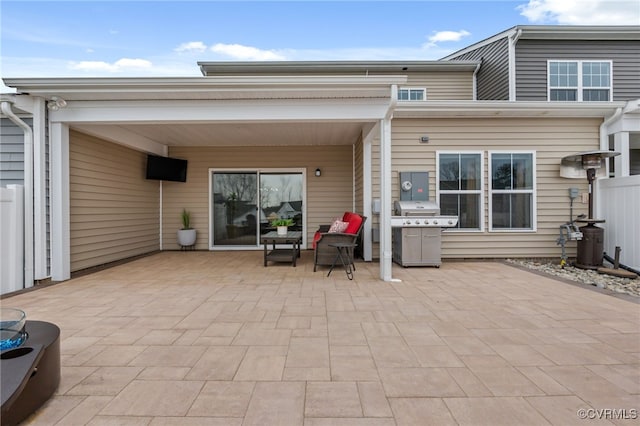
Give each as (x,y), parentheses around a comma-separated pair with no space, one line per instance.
(619,205)
(11,238)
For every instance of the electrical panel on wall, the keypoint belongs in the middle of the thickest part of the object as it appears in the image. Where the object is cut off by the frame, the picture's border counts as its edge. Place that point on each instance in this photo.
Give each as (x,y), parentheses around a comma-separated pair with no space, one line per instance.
(414,186)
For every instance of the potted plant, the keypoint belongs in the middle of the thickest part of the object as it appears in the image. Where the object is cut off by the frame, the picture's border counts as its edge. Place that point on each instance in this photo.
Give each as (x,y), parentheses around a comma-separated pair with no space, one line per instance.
(282,225)
(186,235)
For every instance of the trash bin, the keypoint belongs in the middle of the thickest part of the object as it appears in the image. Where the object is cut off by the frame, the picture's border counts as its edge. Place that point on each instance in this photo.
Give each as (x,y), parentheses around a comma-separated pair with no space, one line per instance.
(590,247)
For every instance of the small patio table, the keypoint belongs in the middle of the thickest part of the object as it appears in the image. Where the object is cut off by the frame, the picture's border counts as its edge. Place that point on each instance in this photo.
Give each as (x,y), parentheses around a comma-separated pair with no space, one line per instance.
(294,238)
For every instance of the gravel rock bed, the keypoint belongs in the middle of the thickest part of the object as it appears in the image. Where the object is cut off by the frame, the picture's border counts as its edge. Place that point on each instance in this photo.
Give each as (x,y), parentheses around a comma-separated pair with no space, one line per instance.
(584,276)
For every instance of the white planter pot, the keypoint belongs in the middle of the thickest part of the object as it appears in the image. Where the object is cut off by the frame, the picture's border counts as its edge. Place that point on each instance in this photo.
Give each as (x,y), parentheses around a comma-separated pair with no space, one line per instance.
(282,230)
(187,237)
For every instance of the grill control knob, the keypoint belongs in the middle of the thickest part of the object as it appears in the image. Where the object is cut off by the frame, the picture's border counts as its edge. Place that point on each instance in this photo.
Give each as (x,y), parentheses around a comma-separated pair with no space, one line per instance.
(417,222)
(426,221)
(450,222)
(435,222)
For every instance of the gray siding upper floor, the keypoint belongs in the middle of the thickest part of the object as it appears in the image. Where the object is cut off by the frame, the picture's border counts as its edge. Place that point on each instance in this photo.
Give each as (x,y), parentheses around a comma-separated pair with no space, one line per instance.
(11,152)
(532,57)
(493,77)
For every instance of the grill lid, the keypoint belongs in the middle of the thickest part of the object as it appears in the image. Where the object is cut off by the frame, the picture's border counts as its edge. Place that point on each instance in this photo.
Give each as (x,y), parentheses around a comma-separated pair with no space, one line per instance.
(416,208)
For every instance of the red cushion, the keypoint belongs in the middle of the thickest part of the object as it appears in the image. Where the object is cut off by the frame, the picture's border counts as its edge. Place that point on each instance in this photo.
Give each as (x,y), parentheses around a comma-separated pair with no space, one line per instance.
(354,219)
(316,238)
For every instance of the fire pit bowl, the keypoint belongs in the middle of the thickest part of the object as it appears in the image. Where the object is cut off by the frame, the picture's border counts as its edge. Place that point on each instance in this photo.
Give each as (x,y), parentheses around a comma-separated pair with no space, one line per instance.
(12,332)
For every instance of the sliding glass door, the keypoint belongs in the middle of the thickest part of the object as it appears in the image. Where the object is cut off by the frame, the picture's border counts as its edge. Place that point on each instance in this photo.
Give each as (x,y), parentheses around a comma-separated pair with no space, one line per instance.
(245,202)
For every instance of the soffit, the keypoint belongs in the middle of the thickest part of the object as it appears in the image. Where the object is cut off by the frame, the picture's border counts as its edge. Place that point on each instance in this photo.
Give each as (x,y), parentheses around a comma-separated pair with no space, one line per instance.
(235,134)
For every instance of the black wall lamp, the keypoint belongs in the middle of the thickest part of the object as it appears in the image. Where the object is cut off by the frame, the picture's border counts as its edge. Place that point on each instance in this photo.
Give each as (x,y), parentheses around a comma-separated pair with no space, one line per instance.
(318,172)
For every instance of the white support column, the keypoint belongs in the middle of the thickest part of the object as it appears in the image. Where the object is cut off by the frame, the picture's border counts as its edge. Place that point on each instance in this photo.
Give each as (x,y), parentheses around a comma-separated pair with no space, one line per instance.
(385,199)
(621,145)
(367,141)
(60,229)
(39,190)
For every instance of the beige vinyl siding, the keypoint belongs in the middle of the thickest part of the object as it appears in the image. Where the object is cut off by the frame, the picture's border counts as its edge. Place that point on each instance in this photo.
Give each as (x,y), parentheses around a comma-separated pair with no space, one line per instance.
(358,184)
(550,139)
(114,210)
(443,85)
(328,196)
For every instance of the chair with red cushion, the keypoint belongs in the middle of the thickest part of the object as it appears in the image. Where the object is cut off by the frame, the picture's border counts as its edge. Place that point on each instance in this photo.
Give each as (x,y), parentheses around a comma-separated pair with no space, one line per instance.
(326,255)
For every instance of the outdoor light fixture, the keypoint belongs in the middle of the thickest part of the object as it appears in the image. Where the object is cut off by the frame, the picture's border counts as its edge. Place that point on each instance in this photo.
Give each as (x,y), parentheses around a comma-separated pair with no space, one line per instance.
(424,139)
(56,103)
(318,172)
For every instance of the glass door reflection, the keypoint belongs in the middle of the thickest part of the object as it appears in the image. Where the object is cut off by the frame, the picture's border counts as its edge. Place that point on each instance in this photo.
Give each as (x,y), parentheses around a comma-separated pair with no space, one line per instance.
(281,197)
(246,202)
(235,209)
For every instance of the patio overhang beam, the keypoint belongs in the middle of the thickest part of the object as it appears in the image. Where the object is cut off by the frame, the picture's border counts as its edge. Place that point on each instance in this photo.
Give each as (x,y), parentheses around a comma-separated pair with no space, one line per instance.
(453,109)
(217,87)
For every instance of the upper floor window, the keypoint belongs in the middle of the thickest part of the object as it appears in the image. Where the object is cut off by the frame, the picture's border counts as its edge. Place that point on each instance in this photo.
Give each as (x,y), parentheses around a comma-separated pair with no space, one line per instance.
(412,94)
(579,80)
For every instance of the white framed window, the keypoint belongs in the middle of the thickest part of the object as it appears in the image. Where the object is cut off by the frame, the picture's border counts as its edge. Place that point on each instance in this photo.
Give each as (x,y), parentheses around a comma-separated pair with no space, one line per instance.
(512,191)
(581,81)
(412,94)
(459,187)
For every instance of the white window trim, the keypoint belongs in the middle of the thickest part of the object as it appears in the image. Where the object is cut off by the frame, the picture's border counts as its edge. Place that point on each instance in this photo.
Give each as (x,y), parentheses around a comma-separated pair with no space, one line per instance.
(580,87)
(480,191)
(422,89)
(533,191)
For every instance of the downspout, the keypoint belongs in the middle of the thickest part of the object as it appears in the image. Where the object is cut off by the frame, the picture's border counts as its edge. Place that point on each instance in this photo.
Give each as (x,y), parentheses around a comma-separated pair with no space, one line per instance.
(513,39)
(475,81)
(28,191)
(385,188)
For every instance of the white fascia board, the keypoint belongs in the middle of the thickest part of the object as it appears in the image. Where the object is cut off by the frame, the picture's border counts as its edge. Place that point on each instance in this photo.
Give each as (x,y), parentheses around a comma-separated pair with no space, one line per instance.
(558,32)
(112,112)
(504,109)
(171,88)
(496,37)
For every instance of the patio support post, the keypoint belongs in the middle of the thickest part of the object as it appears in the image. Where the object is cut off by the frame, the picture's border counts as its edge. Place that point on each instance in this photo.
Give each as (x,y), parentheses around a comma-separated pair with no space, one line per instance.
(60,227)
(367,141)
(385,199)
(40,189)
(621,145)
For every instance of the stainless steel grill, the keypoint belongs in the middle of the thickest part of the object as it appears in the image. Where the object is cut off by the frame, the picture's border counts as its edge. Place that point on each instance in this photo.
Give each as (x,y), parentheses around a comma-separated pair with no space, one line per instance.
(417,228)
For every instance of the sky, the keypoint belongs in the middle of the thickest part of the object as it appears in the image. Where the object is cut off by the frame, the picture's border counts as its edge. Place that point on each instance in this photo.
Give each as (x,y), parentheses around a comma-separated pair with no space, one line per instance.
(167,38)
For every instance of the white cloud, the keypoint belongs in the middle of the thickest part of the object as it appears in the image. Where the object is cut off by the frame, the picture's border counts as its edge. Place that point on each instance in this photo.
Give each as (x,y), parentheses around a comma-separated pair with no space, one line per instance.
(582,12)
(192,46)
(121,65)
(445,36)
(247,53)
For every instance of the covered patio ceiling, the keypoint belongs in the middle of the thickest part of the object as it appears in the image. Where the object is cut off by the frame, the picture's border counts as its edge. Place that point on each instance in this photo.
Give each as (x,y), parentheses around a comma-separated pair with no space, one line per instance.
(234,133)
(152,114)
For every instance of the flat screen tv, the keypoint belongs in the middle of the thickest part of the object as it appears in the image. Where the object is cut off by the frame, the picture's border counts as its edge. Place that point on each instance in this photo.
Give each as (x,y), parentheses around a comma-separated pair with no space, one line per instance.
(166,168)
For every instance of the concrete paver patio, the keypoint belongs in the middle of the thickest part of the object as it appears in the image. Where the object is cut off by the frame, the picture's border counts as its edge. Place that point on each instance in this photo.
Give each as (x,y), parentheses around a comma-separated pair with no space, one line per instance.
(215,338)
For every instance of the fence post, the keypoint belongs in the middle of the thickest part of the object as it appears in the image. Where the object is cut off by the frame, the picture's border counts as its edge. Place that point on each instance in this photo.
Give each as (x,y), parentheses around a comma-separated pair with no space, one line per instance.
(11,238)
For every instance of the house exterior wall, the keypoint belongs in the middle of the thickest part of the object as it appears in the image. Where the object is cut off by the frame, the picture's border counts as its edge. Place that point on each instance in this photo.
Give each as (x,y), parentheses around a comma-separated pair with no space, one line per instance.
(532,56)
(493,76)
(550,139)
(114,210)
(328,196)
(443,85)
(12,152)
